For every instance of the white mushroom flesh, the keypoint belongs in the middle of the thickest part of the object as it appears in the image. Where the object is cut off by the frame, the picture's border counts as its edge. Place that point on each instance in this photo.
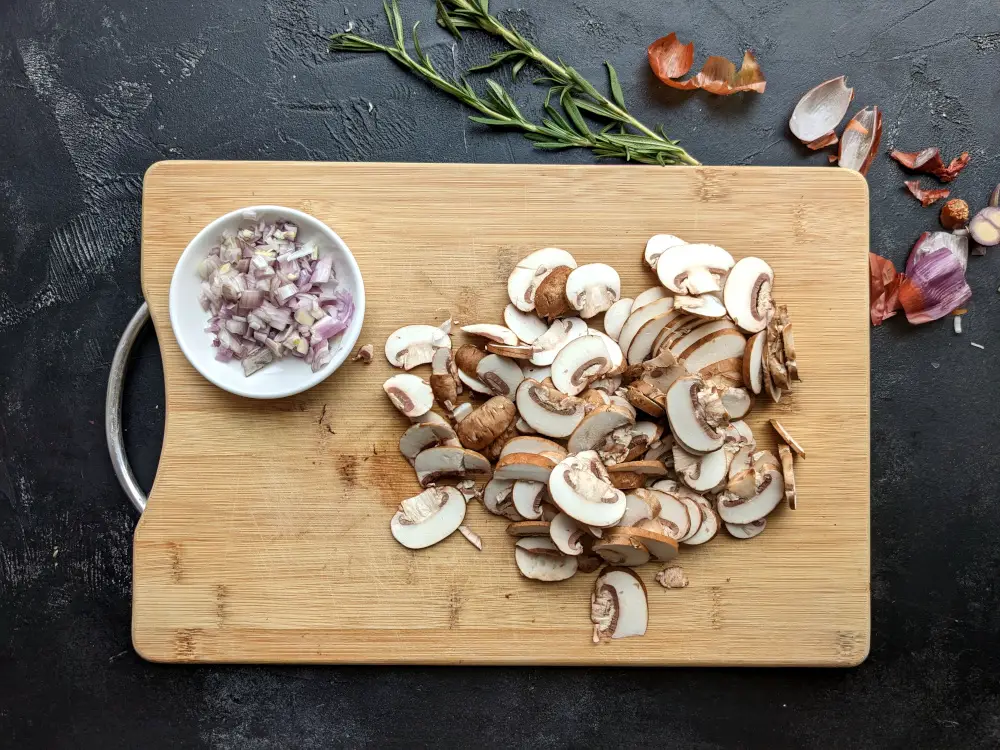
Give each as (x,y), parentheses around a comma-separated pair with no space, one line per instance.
(415,345)
(429,517)
(538,558)
(592,289)
(411,395)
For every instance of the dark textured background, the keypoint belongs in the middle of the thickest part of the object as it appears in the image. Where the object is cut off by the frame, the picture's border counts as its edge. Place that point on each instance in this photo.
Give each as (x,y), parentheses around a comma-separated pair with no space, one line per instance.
(92,92)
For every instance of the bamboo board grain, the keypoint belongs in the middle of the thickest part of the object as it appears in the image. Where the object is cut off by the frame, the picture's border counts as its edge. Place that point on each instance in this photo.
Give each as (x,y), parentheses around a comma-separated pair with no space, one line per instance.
(244,558)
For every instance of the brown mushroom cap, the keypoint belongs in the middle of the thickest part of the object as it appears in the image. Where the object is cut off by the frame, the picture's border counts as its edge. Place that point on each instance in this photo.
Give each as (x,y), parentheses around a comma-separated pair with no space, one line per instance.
(486,423)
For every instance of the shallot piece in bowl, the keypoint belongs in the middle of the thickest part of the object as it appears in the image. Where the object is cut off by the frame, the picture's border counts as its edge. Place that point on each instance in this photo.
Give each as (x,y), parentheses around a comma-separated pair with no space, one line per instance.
(281,298)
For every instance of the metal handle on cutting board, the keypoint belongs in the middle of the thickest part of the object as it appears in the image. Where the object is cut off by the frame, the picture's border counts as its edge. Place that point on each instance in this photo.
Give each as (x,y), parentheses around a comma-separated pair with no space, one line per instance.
(113,410)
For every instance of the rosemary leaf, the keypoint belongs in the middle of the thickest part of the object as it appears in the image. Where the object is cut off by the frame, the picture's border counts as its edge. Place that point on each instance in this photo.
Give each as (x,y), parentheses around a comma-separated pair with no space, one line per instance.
(616,87)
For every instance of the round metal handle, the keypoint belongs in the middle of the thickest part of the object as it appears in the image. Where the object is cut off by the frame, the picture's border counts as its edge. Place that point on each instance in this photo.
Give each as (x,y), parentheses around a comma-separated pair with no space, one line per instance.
(113,410)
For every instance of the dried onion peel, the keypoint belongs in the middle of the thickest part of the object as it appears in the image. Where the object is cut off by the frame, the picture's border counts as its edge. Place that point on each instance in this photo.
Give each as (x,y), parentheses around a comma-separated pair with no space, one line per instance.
(819,111)
(929,161)
(884,283)
(860,140)
(926,196)
(669,60)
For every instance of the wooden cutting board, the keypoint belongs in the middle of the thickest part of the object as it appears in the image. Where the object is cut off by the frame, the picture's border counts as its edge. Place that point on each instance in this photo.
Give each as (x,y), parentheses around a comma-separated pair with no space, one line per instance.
(267,535)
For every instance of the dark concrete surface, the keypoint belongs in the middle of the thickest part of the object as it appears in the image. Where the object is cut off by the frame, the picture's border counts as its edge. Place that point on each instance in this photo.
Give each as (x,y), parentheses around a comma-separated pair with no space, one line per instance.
(92,92)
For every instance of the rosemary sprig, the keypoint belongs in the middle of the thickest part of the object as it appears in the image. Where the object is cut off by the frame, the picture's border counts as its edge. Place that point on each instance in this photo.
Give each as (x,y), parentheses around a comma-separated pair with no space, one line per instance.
(559,130)
(455,15)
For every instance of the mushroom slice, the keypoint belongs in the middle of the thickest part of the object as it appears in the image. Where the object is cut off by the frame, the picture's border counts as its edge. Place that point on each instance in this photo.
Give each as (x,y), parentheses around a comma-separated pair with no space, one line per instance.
(528,528)
(737,402)
(461,411)
(753,362)
(644,468)
(531,271)
(619,548)
(661,450)
(594,428)
(640,505)
(640,317)
(526,327)
(659,545)
(420,436)
(595,399)
(701,473)
(550,297)
(788,474)
(652,294)
(785,435)
(646,397)
(474,384)
(616,316)
(696,415)
(622,444)
(532,466)
(675,518)
(581,487)
(709,527)
(606,385)
(467,358)
(487,423)
(498,499)
(727,373)
(560,333)
(770,492)
(714,348)
(567,534)
(410,394)
(746,530)
(618,399)
(689,338)
(652,431)
(523,427)
(547,410)
(641,345)
(520,352)
(414,345)
(500,374)
(579,362)
(538,558)
(707,306)
(444,381)
(448,461)
(532,444)
(693,269)
(536,373)
(617,357)
(656,245)
(493,332)
(528,496)
(748,294)
(618,606)
(427,518)
(549,511)
(743,484)
(593,288)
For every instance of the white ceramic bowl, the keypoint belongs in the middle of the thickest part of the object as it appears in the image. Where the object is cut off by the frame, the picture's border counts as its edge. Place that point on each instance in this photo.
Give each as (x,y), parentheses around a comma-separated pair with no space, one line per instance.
(288,375)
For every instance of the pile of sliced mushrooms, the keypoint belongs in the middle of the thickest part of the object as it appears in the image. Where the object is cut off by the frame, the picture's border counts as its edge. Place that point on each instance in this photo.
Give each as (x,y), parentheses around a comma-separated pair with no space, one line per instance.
(602,447)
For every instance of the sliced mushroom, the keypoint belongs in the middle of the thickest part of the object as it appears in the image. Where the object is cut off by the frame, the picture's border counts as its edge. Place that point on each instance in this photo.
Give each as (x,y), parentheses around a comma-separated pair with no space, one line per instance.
(430,417)
(656,245)
(748,294)
(594,428)
(528,528)
(659,545)
(547,410)
(522,353)
(652,294)
(693,269)
(616,316)
(707,306)
(500,374)
(528,496)
(640,505)
(710,523)
(633,474)
(550,297)
(788,474)
(618,548)
(675,518)
(639,317)
(606,385)
(581,487)
(538,558)
(785,435)
(743,484)
(595,399)
(444,381)
(467,358)
(769,492)
(414,345)
(448,461)
(498,499)
(461,411)
(429,517)
(646,397)
(578,363)
(494,449)
(422,436)
(622,444)
(567,534)
(549,511)
(753,362)
(531,271)
(672,577)
(524,428)
(736,401)
(410,394)
(615,354)
(492,332)
(487,423)
(701,473)
(536,373)
(717,347)
(727,373)
(746,530)
(696,415)
(532,444)
(532,466)
(618,606)
(526,326)
(661,450)
(560,333)
(592,289)
(641,346)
